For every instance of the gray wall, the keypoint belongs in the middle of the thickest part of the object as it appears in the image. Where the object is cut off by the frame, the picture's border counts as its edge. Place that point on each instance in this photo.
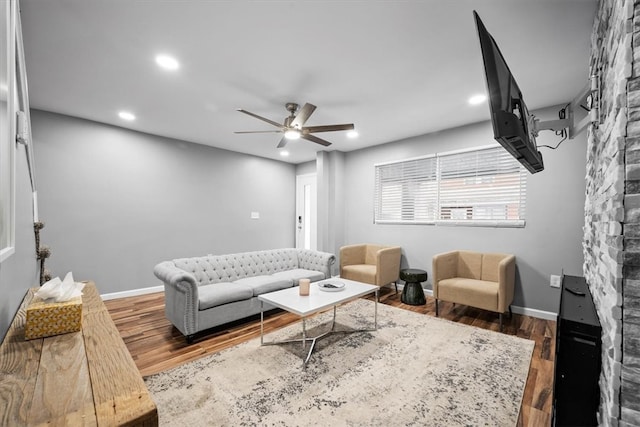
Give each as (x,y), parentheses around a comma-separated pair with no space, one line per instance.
(306,168)
(20,271)
(331,202)
(116,202)
(550,242)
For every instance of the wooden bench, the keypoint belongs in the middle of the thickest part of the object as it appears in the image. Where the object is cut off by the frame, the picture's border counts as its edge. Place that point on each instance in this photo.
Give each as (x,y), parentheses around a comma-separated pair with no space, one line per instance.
(84,378)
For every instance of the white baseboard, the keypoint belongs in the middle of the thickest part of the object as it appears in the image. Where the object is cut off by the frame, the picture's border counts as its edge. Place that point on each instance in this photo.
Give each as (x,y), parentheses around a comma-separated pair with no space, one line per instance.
(132,293)
(531,312)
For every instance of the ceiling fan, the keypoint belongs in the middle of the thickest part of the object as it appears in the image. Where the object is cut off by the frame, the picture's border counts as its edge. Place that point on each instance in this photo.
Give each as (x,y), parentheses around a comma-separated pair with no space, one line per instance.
(293,126)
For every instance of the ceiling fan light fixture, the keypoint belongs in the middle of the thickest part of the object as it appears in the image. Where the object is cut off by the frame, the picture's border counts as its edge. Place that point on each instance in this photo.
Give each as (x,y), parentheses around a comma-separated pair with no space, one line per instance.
(294,127)
(477,99)
(292,134)
(167,62)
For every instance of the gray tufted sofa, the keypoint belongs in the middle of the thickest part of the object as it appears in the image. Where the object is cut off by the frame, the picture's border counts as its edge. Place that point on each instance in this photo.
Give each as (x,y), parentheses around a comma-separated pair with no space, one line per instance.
(208,291)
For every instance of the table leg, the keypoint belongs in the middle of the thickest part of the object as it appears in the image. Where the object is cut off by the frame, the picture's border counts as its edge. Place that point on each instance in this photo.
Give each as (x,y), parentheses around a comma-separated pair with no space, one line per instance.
(261,322)
(375,316)
(333,322)
(304,333)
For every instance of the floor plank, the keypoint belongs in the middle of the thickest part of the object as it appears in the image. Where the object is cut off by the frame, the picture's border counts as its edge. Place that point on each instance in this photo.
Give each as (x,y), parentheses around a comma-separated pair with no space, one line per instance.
(156,345)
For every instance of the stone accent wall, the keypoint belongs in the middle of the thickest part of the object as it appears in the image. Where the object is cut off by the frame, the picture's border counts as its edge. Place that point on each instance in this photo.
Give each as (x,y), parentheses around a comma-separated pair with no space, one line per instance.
(630,387)
(612,208)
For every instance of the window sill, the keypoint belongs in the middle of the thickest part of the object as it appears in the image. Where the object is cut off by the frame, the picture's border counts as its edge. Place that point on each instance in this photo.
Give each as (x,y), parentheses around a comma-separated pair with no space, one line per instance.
(461,223)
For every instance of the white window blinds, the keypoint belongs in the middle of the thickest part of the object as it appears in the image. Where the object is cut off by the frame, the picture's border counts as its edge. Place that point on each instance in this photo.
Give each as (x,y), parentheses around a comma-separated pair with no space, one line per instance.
(407,191)
(484,186)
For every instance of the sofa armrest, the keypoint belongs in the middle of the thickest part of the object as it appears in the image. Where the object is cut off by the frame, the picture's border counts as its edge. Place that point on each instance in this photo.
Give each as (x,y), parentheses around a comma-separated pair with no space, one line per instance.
(316,260)
(506,282)
(181,296)
(388,265)
(173,276)
(444,266)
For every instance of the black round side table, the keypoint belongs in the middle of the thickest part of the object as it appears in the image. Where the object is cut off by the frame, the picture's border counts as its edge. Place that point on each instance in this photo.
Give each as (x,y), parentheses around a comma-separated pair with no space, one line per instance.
(412,292)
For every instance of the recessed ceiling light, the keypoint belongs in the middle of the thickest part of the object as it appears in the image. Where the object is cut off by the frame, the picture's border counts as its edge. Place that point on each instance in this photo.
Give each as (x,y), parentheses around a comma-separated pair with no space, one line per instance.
(352,134)
(477,99)
(167,62)
(125,115)
(284,153)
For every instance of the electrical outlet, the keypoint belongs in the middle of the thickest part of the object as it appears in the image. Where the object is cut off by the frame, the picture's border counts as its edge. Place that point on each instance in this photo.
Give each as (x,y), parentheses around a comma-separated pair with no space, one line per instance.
(555,281)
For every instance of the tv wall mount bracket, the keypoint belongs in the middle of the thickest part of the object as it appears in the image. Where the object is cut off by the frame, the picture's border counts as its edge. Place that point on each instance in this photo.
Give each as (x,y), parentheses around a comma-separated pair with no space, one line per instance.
(582,111)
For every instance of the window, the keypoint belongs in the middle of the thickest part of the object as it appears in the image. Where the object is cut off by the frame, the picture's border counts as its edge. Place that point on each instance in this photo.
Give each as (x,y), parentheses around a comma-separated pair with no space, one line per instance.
(406,191)
(483,186)
(7,137)
(13,100)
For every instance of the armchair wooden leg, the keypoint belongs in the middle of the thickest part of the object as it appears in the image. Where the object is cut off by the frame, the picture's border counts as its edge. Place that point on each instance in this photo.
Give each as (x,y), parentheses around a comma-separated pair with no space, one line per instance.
(190,338)
(436,307)
(510,313)
(500,322)
(396,283)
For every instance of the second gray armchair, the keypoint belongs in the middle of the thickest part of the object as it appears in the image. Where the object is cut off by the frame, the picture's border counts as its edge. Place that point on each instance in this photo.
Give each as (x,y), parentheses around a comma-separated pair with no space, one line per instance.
(370,263)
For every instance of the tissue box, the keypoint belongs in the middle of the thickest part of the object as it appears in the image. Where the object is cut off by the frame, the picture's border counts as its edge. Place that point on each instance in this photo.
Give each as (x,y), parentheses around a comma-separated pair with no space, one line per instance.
(45,319)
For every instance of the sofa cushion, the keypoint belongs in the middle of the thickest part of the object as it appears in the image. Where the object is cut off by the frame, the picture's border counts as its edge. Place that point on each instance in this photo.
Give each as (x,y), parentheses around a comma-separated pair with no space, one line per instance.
(360,273)
(477,293)
(300,273)
(262,284)
(222,293)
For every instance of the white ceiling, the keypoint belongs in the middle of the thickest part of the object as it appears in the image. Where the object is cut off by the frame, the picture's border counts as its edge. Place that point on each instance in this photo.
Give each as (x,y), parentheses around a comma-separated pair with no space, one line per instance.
(394,68)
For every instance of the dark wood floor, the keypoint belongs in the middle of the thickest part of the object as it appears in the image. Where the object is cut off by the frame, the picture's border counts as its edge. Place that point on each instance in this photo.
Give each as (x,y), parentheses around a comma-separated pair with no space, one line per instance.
(156,345)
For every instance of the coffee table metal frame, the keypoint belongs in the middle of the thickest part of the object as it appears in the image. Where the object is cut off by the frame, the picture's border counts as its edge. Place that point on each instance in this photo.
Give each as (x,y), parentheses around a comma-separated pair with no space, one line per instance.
(304,306)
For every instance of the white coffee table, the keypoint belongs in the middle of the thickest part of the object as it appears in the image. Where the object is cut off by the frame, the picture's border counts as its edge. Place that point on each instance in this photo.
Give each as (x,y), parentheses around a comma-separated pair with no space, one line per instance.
(304,306)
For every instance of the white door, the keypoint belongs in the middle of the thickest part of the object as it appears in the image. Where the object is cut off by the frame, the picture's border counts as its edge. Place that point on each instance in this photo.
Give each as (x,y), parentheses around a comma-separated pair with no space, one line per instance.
(306,214)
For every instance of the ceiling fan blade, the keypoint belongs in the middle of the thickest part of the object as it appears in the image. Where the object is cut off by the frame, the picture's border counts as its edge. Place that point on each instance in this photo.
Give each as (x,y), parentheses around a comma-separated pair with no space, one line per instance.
(303,115)
(282,142)
(271,122)
(328,128)
(315,139)
(258,131)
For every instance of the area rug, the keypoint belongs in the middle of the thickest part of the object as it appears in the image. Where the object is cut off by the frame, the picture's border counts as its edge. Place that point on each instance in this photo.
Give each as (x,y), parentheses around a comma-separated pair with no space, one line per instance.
(414,370)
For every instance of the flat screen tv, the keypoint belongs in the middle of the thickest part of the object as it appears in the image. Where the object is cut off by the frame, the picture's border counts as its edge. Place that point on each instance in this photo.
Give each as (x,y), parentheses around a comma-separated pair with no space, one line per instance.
(512,123)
